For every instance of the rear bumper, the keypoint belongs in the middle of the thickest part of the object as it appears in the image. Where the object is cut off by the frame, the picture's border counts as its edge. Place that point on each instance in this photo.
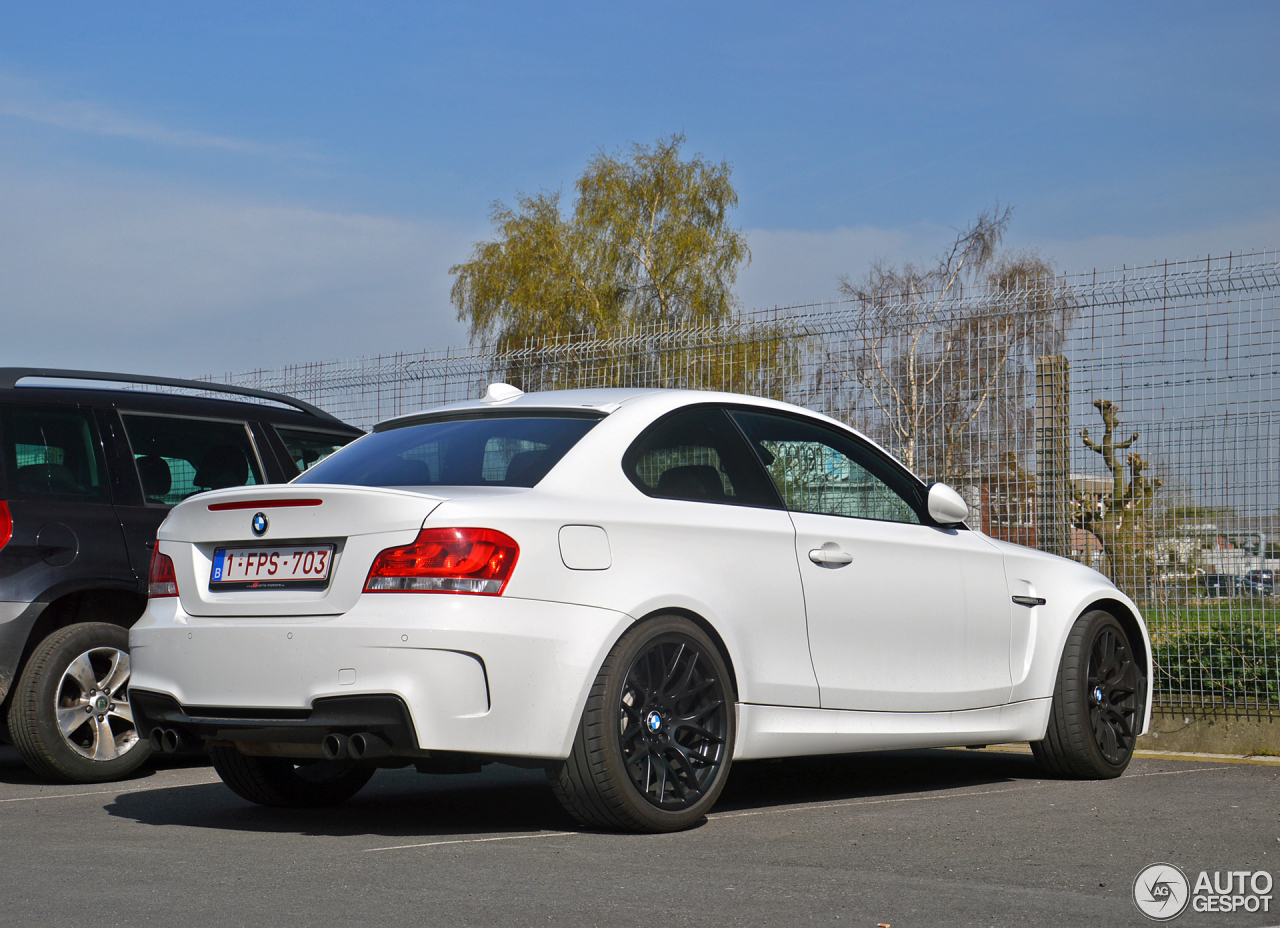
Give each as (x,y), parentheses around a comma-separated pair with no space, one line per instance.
(496,676)
(385,716)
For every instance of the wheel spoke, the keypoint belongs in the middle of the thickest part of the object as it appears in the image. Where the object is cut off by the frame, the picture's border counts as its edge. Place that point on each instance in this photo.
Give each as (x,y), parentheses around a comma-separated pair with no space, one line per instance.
(683,687)
(123,711)
(697,730)
(104,740)
(686,785)
(82,672)
(691,755)
(700,713)
(70,719)
(118,675)
(669,674)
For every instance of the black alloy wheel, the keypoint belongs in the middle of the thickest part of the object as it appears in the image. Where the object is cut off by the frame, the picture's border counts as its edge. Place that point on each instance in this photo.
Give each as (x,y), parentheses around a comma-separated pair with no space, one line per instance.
(1098,702)
(672,720)
(655,742)
(1113,694)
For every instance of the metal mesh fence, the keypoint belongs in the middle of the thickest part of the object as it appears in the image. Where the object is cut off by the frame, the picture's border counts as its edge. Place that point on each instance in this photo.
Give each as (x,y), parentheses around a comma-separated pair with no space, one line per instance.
(1125,419)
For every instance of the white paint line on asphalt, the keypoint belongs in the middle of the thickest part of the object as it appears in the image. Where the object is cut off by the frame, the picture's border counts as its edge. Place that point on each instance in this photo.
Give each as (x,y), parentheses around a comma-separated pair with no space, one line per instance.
(986,792)
(1169,773)
(107,792)
(542,834)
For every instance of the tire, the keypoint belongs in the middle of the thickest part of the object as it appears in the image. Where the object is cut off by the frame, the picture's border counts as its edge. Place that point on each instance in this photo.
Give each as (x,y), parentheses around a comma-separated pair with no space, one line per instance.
(69,717)
(662,698)
(1097,706)
(290,784)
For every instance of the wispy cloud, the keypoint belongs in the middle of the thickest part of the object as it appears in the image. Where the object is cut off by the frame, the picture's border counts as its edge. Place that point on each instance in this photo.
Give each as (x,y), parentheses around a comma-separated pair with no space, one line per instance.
(101,271)
(22,99)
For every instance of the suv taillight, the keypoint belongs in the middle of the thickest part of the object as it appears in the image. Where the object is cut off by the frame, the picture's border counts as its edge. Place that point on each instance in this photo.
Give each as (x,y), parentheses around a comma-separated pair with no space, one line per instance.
(164,582)
(446,560)
(6,524)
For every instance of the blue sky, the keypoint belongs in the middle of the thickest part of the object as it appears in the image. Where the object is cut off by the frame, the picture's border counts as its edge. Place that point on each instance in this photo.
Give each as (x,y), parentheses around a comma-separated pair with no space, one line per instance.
(202,188)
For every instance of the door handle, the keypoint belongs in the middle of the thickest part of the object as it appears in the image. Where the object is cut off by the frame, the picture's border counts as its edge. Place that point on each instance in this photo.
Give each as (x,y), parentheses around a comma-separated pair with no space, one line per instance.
(830,555)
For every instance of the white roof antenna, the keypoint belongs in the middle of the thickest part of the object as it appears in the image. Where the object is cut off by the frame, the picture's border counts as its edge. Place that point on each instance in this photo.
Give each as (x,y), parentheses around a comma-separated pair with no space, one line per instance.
(500,393)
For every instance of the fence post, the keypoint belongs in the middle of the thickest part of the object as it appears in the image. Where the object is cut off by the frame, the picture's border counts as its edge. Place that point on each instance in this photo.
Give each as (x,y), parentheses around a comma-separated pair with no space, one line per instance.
(1053,454)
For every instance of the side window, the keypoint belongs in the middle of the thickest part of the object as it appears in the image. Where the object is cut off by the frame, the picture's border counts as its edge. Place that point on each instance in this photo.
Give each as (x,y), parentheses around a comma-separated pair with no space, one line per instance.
(307,448)
(177,457)
(52,452)
(820,470)
(696,454)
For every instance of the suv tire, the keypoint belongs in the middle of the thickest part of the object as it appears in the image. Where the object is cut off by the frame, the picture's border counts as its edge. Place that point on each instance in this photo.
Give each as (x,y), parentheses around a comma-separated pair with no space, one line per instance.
(69,717)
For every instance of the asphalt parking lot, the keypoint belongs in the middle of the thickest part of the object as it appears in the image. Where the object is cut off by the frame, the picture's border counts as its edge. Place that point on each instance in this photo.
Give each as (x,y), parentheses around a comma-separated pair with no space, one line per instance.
(906,839)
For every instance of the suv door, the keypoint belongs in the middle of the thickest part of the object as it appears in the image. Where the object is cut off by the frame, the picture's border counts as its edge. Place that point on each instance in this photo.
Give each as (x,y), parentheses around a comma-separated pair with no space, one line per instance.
(174,457)
(65,531)
(903,615)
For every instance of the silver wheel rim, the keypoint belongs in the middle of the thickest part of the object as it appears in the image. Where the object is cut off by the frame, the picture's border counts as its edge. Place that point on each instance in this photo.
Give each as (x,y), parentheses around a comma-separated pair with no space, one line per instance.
(92,705)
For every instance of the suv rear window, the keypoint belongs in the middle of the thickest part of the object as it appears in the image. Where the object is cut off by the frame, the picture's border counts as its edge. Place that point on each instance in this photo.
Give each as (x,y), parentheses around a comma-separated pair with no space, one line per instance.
(52,452)
(177,457)
(482,452)
(307,448)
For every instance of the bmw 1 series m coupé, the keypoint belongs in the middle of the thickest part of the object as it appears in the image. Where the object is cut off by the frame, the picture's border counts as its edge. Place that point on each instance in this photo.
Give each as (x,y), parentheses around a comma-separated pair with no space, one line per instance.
(630,588)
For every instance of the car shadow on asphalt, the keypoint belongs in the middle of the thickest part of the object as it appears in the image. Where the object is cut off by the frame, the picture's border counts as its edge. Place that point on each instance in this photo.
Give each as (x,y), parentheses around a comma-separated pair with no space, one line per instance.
(503,800)
(13,772)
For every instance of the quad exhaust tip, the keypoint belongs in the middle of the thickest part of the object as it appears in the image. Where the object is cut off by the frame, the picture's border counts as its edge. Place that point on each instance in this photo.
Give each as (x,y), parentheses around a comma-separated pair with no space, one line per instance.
(367,746)
(335,746)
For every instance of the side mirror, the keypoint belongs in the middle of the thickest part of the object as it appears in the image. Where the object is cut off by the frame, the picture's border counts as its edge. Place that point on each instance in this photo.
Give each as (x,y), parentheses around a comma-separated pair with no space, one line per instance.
(946,506)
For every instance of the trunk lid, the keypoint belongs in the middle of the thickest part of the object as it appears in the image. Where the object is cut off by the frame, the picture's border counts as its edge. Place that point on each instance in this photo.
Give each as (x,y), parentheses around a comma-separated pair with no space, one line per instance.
(358,522)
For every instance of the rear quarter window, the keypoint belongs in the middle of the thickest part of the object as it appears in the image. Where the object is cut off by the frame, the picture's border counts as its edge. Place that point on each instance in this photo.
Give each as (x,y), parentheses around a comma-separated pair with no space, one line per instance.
(308,448)
(52,452)
(177,457)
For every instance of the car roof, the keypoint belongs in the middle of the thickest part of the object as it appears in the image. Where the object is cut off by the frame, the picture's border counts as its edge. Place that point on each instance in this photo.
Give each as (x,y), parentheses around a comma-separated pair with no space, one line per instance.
(175,404)
(602,401)
(10,377)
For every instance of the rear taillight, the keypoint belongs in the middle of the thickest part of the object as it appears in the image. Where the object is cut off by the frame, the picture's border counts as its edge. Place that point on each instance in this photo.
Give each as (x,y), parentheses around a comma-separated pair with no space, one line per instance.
(6,524)
(164,582)
(446,560)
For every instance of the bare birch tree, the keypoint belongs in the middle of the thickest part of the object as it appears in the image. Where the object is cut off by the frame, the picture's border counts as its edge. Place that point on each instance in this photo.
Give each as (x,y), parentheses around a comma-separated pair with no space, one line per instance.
(946,347)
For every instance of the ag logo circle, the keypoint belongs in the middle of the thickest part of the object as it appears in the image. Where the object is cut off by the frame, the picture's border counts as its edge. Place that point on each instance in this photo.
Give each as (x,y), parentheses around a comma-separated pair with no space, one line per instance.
(1161,892)
(259,524)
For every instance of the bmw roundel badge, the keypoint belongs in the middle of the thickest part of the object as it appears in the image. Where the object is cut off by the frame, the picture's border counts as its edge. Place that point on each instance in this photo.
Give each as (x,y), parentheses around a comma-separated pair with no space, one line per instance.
(259,524)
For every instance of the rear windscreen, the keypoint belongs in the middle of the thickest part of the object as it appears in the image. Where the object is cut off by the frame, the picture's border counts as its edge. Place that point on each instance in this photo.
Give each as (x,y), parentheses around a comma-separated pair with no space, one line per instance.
(487,452)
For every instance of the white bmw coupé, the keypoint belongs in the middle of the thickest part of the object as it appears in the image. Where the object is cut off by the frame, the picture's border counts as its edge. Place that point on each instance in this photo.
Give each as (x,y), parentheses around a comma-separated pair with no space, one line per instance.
(630,588)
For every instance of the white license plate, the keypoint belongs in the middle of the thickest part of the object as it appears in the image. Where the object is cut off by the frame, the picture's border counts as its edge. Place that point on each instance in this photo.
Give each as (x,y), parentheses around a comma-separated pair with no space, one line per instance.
(290,567)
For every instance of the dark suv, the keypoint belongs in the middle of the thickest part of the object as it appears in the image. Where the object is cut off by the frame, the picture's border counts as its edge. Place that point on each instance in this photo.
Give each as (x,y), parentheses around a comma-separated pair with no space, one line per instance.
(86,477)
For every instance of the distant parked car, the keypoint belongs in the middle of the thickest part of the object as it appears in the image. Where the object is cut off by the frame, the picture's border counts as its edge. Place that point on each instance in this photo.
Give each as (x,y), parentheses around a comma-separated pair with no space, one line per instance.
(1263,582)
(1221,584)
(86,477)
(629,588)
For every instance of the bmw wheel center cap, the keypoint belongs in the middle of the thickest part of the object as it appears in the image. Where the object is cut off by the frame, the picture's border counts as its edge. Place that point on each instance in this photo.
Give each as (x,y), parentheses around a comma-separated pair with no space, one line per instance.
(654,721)
(259,524)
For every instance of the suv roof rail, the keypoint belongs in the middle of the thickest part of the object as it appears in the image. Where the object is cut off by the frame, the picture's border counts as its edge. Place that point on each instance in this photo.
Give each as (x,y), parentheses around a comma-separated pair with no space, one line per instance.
(9,377)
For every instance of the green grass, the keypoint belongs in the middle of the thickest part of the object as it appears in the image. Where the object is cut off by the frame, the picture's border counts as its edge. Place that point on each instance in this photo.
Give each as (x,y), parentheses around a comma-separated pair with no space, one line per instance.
(1232,661)
(1212,613)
